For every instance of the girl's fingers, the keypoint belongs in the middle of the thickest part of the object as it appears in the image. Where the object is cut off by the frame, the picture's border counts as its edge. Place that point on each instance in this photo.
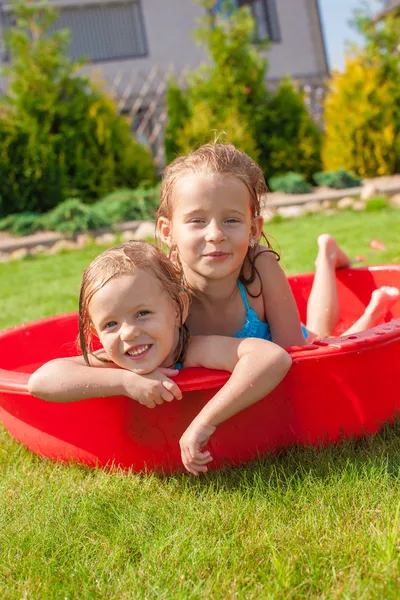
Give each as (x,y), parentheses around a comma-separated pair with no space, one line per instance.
(186,460)
(199,469)
(166,395)
(201,460)
(173,388)
(197,454)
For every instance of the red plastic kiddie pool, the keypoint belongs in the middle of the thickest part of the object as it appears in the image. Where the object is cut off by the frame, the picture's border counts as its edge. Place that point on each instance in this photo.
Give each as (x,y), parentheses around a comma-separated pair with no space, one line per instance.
(338,387)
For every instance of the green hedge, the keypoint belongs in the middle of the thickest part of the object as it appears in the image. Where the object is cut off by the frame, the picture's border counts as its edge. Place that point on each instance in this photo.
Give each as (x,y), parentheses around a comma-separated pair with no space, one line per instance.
(60,136)
(291,183)
(339,180)
(73,215)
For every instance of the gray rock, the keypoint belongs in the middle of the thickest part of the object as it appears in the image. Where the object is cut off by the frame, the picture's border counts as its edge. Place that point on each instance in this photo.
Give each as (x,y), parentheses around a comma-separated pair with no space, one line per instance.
(39,249)
(62,245)
(344,203)
(291,211)
(358,205)
(395,201)
(147,229)
(106,239)
(268,214)
(326,204)
(313,207)
(19,254)
(128,236)
(368,191)
(82,240)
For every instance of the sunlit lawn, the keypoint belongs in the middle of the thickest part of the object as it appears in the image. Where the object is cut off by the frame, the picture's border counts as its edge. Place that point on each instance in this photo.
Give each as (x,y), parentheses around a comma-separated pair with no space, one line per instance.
(308,523)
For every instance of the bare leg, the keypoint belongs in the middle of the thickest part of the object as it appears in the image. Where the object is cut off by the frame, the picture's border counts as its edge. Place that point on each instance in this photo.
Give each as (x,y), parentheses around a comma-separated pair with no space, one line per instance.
(323,303)
(381,302)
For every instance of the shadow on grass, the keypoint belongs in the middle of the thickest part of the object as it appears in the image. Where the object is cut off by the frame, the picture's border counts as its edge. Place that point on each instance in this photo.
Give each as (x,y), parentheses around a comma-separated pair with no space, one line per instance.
(366,458)
(358,459)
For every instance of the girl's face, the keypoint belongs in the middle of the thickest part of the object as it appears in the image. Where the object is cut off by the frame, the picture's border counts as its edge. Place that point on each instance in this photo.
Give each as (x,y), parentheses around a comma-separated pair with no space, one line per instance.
(137,322)
(211,226)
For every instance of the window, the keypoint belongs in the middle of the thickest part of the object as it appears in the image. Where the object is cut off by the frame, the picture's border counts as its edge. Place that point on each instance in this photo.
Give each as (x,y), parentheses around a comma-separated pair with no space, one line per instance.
(101,31)
(265,14)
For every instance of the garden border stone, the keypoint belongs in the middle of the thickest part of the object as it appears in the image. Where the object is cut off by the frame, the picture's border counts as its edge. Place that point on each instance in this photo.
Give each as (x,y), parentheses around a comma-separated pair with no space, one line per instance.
(384,185)
(390,186)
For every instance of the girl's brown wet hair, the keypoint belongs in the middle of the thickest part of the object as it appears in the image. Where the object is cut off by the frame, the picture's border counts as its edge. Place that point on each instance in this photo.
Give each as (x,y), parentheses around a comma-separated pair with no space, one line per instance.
(122,260)
(221,159)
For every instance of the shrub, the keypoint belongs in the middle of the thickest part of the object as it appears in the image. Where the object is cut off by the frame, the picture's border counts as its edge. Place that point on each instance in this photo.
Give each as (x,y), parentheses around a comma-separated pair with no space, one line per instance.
(379,202)
(197,128)
(22,223)
(59,134)
(339,180)
(72,216)
(287,136)
(291,183)
(224,95)
(366,136)
(362,109)
(230,94)
(127,205)
(178,112)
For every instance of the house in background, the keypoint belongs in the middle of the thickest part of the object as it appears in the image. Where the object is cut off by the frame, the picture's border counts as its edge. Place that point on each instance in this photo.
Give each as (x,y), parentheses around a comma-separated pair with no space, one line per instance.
(133,44)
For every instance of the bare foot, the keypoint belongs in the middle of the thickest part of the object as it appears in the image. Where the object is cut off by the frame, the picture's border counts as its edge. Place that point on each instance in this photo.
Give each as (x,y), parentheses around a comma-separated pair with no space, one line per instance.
(329,249)
(381,302)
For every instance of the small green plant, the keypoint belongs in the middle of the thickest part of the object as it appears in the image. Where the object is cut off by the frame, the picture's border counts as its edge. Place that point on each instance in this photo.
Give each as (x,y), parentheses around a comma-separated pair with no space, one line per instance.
(379,202)
(128,205)
(72,216)
(339,179)
(148,200)
(291,183)
(22,223)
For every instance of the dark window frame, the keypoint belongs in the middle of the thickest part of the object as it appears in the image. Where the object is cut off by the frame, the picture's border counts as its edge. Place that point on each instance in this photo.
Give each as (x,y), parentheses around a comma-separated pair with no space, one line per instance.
(88,5)
(271,20)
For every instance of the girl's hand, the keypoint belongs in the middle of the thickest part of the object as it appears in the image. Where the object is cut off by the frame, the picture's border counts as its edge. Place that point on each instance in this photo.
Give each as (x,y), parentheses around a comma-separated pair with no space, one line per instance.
(152,389)
(195,437)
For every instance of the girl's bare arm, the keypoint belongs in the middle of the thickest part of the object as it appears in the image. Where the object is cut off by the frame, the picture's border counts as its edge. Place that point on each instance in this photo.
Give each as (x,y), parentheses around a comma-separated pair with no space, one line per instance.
(257,367)
(281,309)
(71,379)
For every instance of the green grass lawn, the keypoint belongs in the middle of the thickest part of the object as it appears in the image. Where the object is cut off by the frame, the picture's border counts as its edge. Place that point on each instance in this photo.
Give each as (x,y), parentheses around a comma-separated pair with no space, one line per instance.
(306,523)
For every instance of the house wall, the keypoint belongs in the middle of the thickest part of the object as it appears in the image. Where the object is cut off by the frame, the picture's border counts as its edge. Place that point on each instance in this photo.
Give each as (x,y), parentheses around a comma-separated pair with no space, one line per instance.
(168,27)
(169,24)
(138,85)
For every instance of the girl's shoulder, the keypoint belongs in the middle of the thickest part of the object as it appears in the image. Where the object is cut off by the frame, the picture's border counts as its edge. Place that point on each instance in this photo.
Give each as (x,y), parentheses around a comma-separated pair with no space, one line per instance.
(212,352)
(263,269)
(260,250)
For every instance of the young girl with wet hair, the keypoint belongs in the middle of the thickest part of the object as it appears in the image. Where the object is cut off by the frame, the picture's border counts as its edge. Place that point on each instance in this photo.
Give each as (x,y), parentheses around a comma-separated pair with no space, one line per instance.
(132,300)
(210,218)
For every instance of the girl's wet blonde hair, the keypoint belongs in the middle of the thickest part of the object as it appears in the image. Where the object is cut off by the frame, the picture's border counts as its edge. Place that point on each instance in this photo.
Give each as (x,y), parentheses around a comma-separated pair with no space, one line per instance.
(221,159)
(121,260)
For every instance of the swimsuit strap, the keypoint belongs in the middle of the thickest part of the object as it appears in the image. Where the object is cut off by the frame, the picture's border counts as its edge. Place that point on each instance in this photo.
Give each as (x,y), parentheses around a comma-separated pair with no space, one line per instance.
(244,295)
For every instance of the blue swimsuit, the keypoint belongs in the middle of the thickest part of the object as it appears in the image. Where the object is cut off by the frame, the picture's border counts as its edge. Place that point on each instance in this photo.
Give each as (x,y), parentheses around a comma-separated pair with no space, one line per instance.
(253,327)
